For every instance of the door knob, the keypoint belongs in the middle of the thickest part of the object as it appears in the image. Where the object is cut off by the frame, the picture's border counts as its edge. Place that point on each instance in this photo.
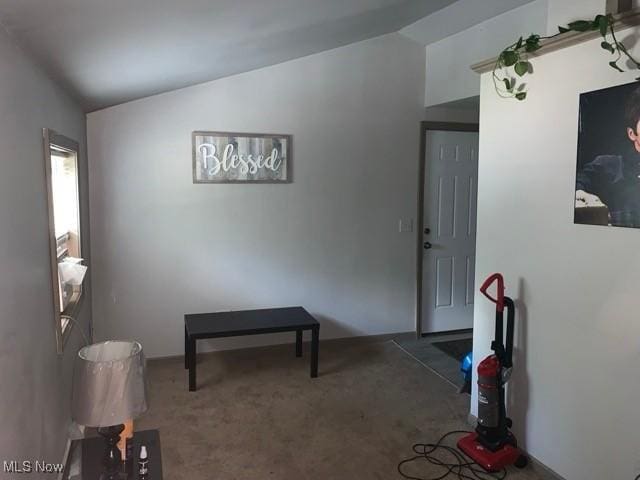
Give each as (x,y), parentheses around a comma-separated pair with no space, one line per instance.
(427,245)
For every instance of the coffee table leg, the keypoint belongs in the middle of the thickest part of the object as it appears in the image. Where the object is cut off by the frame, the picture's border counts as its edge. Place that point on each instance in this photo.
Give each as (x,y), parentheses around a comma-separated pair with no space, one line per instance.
(192,365)
(315,340)
(298,343)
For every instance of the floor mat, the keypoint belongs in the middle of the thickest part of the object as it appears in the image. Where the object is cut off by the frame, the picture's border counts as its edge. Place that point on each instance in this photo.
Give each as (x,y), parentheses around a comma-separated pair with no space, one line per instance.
(434,357)
(456,349)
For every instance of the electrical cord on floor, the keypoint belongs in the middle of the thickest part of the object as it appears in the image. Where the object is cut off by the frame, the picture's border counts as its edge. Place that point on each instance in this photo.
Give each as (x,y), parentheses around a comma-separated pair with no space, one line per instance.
(460,467)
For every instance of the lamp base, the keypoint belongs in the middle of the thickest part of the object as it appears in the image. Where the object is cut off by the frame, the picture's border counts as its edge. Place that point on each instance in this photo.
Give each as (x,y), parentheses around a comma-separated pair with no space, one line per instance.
(112,459)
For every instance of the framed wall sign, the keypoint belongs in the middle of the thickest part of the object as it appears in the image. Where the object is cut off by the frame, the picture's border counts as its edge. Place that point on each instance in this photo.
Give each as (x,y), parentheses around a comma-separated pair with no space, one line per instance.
(225,157)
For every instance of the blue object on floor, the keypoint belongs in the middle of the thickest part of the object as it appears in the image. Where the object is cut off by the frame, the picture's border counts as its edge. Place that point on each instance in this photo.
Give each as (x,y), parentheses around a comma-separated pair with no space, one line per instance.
(466,366)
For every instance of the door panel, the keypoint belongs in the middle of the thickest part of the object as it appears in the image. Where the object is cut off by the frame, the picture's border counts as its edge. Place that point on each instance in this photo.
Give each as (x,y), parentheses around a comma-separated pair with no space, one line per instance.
(446,207)
(444,282)
(451,170)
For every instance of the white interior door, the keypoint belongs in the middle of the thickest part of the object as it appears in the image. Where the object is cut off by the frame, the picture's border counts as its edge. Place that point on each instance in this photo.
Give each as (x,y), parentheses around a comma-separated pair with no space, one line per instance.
(450,194)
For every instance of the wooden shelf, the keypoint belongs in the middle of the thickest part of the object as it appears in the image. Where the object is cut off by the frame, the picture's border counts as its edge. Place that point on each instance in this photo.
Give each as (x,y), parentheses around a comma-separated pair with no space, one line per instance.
(568,39)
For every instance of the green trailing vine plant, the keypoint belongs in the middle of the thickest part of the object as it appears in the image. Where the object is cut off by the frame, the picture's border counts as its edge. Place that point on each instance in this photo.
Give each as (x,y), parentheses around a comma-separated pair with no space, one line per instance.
(513,63)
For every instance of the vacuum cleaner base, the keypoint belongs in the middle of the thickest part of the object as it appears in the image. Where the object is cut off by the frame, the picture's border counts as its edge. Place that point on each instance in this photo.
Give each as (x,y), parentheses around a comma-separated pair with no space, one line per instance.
(491,461)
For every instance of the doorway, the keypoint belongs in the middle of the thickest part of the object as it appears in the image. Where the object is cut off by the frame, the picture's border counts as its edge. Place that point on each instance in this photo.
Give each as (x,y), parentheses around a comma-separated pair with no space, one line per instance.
(448,227)
(447,233)
(446,238)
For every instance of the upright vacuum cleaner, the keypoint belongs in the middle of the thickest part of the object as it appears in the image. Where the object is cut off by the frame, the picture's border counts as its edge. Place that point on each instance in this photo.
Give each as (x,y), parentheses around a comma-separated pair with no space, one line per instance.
(492,445)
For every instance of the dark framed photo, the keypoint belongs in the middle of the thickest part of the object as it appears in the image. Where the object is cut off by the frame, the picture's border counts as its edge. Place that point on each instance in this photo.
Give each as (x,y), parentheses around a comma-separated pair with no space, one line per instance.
(226,157)
(608,165)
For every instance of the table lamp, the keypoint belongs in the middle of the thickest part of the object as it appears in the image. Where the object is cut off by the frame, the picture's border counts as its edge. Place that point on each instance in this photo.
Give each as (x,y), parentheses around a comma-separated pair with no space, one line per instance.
(109,388)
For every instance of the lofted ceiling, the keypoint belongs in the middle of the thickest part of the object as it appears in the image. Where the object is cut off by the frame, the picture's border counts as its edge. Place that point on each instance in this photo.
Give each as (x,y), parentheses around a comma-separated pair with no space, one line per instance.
(107,52)
(457,17)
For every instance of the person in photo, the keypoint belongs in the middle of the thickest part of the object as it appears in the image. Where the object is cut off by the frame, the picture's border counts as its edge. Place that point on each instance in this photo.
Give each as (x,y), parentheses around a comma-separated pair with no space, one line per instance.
(613,181)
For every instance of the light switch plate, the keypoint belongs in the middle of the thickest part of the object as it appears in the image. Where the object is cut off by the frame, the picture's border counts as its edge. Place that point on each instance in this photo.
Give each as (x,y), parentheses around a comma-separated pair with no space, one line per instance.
(405,225)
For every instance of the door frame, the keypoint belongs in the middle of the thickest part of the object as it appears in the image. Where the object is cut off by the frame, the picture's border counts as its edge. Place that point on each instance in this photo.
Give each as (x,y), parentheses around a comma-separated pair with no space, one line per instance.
(424,128)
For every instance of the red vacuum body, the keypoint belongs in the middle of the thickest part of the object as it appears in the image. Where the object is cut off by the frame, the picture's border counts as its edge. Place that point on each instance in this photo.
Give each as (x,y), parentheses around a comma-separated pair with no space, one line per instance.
(492,445)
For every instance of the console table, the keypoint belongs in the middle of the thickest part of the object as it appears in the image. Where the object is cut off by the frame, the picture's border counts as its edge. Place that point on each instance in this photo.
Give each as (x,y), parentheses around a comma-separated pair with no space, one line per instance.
(248,322)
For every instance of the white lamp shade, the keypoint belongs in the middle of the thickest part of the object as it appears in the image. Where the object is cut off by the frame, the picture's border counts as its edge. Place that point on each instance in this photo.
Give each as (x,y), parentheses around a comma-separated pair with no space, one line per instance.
(109,385)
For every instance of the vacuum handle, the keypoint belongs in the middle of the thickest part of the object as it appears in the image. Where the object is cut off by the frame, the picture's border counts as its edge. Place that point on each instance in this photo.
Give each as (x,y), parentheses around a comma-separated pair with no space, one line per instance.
(499,301)
(508,354)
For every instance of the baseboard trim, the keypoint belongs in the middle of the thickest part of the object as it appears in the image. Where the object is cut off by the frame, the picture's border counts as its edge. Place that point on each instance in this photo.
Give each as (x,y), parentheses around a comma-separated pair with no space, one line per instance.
(534,464)
(346,341)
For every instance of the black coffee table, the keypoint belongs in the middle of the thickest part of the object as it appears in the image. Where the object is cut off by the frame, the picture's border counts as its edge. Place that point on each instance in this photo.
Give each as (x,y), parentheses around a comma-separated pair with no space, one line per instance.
(248,322)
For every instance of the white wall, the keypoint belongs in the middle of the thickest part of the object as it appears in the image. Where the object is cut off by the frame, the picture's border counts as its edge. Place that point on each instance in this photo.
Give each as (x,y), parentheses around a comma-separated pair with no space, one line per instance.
(576,382)
(448,60)
(328,241)
(35,400)
(448,73)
